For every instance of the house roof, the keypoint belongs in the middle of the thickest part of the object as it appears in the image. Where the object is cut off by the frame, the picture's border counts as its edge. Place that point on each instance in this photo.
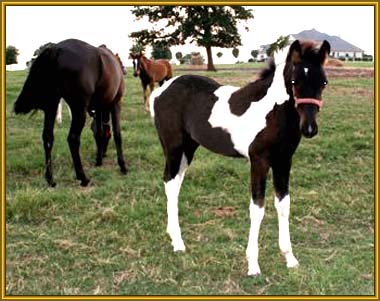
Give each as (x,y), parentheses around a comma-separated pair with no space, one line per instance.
(337,44)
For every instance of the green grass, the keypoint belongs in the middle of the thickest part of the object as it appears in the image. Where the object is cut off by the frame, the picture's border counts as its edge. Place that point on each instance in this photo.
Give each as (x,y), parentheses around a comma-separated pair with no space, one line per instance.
(358,64)
(109,238)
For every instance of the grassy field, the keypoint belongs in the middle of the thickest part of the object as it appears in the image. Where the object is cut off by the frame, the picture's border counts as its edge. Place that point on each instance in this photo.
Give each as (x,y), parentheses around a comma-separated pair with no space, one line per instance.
(110,239)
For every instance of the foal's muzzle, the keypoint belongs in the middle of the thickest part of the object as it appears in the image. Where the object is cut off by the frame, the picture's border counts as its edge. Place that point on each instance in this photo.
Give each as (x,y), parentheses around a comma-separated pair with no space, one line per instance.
(309,130)
(308,112)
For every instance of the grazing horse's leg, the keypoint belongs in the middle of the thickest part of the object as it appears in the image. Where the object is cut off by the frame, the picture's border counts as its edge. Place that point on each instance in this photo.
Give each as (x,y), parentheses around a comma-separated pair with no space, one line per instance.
(117,136)
(99,132)
(77,124)
(48,139)
(281,173)
(178,158)
(259,171)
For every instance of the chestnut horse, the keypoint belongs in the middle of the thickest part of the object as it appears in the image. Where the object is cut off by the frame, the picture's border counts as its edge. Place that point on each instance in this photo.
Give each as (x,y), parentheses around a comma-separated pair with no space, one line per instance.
(90,79)
(150,72)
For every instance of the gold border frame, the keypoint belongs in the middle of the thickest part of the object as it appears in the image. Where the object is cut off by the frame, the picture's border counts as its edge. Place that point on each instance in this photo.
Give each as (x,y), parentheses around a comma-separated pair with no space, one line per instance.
(375,4)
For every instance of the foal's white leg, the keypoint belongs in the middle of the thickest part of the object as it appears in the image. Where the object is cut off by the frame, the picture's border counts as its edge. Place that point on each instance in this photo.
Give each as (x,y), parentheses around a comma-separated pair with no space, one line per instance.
(256,214)
(283,209)
(172,189)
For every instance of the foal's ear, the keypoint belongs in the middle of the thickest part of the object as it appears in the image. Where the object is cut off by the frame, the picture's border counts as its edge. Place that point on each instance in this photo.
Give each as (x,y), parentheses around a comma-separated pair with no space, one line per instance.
(294,54)
(324,51)
(131,55)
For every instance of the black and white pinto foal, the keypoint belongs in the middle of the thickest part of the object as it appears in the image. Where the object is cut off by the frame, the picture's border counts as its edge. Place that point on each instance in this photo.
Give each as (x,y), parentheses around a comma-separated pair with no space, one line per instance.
(262,121)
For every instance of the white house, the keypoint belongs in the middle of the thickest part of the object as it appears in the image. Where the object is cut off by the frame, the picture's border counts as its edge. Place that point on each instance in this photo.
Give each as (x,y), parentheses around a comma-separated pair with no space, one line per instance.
(339,47)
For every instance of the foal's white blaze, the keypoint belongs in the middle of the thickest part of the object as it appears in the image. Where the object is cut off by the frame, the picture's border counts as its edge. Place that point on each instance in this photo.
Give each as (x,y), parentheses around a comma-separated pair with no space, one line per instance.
(157,92)
(256,214)
(172,189)
(243,129)
(283,209)
(306,70)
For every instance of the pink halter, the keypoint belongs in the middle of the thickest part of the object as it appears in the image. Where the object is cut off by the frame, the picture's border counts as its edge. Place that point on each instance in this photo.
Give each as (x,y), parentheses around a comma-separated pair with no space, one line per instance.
(313,101)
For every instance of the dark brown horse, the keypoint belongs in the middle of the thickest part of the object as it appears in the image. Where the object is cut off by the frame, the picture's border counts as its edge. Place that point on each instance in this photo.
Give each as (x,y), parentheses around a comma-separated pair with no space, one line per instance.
(150,72)
(90,79)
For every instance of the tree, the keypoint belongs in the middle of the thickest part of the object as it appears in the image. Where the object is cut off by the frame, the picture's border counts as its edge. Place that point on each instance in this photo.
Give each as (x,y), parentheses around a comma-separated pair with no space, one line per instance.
(219,54)
(207,26)
(178,55)
(235,52)
(161,51)
(136,48)
(11,53)
(254,54)
(280,43)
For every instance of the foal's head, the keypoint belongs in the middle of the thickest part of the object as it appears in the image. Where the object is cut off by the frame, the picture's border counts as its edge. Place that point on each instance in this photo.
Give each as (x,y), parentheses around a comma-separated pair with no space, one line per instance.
(136,57)
(305,80)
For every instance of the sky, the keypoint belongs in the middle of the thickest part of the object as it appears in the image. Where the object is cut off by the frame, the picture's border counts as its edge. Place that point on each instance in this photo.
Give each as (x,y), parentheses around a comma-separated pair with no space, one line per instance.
(111,25)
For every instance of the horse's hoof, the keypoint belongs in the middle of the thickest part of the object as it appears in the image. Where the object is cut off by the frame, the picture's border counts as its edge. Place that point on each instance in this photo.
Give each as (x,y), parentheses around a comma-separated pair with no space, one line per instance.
(84,182)
(98,163)
(52,184)
(123,170)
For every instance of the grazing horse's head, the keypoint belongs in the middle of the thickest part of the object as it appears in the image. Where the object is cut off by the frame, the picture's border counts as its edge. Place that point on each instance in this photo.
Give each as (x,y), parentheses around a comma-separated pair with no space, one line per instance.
(305,80)
(136,57)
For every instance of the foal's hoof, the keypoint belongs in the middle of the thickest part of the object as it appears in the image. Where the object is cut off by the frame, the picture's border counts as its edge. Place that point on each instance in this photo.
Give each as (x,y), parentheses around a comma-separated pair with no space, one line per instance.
(254,270)
(292,263)
(84,182)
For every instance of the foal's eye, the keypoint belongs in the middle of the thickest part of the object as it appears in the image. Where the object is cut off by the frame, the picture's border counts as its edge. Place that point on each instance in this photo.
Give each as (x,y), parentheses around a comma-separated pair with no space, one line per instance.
(325,83)
(293,82)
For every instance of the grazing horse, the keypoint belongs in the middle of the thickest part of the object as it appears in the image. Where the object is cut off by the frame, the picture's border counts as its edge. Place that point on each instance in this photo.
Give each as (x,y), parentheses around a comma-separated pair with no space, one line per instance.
(90,80)
(263,121)
(60,105)
(150,71)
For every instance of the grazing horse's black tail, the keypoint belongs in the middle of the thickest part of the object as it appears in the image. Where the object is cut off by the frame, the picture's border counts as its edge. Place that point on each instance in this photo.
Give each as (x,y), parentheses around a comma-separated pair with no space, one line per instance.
(38,83)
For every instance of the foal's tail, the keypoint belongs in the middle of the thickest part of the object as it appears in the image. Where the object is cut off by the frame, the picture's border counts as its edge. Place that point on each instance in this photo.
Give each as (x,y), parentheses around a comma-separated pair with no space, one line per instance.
(38,83)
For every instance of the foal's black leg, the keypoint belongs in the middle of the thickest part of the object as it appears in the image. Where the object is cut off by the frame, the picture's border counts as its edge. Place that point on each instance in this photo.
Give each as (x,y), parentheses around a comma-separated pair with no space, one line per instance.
(161,82)
(48,140)
(259,172)
(117,136)
(77,124)
(281,173)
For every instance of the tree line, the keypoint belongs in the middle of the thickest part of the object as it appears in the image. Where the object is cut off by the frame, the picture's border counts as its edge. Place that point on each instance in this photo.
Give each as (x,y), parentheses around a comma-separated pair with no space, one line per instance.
(206,26)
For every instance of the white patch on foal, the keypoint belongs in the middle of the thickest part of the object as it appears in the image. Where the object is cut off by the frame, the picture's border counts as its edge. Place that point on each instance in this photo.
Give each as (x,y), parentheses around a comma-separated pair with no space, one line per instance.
(306,70)
(243,129)
(256,214)
(283,210)
(172,189)
(157,92)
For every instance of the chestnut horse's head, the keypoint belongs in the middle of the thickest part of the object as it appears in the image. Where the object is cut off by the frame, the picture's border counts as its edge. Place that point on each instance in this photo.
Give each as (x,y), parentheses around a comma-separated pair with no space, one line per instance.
(305,80)
(136,58)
